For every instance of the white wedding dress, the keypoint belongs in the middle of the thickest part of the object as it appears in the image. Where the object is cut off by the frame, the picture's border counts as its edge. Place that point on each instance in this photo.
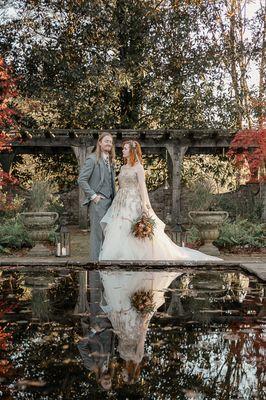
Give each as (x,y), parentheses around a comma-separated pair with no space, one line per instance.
(120,244)
(129,325)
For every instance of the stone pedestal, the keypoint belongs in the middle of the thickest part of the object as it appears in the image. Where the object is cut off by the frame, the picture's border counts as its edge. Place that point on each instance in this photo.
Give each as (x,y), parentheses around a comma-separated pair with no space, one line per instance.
(39,225)
(208,223)
(39,250)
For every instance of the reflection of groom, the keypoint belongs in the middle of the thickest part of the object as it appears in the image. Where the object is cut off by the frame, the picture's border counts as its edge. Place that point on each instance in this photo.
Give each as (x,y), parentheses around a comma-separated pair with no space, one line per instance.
(97,179)
(97,345)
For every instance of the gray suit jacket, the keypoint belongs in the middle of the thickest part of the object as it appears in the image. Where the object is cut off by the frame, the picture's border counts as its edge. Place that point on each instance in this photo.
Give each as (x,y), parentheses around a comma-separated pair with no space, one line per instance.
(91,177)
(97,348)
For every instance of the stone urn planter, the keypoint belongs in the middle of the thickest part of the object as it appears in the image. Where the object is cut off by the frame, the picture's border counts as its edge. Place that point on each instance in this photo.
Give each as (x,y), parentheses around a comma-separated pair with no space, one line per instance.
(39,225)
(208,224)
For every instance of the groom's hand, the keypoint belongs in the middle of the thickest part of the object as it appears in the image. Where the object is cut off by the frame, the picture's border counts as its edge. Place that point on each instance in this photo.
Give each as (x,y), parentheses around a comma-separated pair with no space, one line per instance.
(97,199)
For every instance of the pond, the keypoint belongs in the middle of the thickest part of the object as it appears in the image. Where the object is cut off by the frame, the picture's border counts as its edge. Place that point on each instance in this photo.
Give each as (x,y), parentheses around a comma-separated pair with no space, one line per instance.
(124,334)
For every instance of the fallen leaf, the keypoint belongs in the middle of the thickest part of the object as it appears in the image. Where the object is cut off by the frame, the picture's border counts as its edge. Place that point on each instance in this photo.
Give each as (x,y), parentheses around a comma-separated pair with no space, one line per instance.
(26,383)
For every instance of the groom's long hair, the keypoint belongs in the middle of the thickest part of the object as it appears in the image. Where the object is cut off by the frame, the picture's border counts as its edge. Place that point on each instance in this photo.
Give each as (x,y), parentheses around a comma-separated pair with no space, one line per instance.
(98,149)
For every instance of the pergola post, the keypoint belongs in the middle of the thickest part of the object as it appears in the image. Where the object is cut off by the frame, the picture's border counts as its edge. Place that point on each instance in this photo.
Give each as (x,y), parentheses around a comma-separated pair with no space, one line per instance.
(263,196)
(82,305)
(6,161)
(81,153)
(176,153)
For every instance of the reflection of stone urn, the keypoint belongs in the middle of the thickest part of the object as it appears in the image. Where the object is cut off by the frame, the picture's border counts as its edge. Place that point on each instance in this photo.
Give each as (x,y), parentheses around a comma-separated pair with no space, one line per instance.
(39,225)
(208,224)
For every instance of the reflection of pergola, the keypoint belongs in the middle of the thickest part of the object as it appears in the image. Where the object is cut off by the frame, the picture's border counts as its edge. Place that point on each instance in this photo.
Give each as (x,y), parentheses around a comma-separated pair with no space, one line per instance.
(176,142)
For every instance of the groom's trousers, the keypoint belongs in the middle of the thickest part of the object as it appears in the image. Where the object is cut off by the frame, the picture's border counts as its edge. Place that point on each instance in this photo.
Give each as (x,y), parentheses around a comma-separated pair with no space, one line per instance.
(96,213)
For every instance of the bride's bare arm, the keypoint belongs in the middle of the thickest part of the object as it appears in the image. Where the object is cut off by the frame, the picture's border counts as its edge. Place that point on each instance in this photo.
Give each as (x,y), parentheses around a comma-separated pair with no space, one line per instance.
(146,205)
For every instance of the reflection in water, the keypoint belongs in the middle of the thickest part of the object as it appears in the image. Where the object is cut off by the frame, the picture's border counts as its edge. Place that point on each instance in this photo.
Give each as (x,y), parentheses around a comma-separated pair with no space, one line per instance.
(129,324)
(200,337)
(97,345)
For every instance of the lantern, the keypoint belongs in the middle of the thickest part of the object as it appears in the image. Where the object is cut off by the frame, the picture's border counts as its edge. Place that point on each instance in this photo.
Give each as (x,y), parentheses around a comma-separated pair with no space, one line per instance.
(177,234)
(63,242)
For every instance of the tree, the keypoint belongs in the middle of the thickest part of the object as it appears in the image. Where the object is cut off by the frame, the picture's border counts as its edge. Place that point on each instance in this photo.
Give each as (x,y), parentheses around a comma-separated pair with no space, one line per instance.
(8,92)
(8,112)
(125,63)
(248,148)
(149,64)
(240,41)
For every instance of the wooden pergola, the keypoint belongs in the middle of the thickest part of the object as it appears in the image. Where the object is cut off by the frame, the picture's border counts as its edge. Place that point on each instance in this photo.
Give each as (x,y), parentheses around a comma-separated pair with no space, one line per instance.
(175,142)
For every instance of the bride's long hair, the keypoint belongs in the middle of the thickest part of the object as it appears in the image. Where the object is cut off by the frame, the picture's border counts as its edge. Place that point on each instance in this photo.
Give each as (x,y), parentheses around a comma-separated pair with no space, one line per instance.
(98,149)
(132,370)
(135,154)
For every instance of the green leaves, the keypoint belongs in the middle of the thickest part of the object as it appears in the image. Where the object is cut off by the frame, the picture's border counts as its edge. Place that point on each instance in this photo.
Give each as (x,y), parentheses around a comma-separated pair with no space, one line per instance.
(129,64)
(241,233)
(13,235)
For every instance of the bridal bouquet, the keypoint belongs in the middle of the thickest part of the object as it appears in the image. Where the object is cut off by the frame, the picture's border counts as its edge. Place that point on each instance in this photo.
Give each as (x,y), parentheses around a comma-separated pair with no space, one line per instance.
(142,301)
(143,227)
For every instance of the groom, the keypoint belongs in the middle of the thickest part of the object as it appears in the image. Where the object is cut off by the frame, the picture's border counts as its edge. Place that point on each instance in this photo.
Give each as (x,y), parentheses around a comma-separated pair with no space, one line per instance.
(97,179)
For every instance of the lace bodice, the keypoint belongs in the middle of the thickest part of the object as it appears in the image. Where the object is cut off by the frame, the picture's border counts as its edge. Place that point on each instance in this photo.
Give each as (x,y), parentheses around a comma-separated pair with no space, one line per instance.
(128,178)
(132,179)
(130,201)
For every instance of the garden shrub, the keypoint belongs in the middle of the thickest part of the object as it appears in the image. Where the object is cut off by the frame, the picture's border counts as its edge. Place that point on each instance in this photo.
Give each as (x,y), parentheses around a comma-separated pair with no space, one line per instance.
(242,205)
(13,235)
(241,233)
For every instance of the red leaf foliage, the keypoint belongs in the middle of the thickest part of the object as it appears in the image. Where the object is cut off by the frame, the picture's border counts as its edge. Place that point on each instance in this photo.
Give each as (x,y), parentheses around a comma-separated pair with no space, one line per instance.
(249,147)
(8,93)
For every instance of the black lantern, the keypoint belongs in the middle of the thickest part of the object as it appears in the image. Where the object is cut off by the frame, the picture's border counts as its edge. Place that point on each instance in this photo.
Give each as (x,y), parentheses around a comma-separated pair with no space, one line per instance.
(177,234)
(63,242)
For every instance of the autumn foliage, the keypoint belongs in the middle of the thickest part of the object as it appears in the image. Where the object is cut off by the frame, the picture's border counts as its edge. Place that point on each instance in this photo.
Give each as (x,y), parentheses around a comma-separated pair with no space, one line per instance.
(6,340)
(8,112)
(8,92)
(248,148)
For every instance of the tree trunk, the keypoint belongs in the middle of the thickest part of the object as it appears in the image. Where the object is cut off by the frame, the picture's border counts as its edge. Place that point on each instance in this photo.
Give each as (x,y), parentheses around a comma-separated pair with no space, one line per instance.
(131,90)
(233,61)
(261,98)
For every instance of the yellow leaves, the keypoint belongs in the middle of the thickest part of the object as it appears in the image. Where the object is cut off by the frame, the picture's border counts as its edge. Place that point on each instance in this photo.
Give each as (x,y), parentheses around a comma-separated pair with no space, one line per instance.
(125,79)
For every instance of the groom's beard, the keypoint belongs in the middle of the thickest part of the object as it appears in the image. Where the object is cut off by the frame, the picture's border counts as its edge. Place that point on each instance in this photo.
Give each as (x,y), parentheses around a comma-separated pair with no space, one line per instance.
(107,152)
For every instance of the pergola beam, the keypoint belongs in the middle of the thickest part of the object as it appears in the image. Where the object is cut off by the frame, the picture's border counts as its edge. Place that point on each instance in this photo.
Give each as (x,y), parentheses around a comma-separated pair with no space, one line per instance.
(81,142)
(148,138)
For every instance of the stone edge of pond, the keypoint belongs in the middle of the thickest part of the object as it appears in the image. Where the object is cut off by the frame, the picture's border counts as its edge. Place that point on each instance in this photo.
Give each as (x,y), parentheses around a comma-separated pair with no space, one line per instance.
(257,269)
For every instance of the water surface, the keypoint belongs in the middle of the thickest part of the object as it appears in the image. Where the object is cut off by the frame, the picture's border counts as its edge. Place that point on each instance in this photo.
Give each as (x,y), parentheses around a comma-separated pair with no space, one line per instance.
(131,334)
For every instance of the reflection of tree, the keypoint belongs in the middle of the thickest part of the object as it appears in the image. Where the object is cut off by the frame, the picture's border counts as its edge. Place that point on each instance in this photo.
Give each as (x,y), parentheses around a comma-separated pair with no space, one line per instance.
(63,293)
(52,296)
(237,285)
(11,291)
(202,359)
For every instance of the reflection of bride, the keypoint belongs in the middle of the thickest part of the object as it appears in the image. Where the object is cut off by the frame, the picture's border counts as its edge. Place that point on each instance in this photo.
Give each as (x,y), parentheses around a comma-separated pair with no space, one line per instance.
(130,325)
(130,202)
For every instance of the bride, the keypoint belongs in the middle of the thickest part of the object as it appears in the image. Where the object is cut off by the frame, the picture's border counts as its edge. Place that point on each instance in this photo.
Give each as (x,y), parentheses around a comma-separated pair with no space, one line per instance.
(130,202)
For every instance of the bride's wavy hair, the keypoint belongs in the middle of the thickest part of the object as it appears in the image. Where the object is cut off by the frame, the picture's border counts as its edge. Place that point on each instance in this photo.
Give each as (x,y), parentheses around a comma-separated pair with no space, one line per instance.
(135,154)
(98,149)
(133,369)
